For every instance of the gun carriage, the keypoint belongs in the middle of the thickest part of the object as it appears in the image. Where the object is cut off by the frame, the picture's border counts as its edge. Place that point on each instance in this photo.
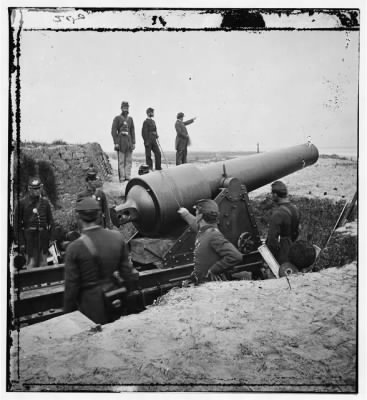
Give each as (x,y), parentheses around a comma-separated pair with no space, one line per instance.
(162,248)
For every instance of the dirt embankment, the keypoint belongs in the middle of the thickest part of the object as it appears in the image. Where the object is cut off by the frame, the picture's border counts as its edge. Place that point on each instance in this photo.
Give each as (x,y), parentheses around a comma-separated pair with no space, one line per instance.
(247,335)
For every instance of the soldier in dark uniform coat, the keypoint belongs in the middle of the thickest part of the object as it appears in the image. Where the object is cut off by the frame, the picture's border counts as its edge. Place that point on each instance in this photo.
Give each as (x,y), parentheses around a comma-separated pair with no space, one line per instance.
(150,136)
(98,194)
(84,277)
(214,254)
(123,134)
(33,224)
(284,223)
(182,138)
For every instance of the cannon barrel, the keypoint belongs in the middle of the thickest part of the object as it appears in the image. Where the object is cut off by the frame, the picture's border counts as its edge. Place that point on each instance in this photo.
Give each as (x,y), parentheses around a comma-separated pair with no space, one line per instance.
(152,200)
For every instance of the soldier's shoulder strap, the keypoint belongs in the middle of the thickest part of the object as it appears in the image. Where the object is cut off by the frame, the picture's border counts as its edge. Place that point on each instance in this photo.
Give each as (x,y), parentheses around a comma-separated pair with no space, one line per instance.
(88,242)
(291,210)
(286,209)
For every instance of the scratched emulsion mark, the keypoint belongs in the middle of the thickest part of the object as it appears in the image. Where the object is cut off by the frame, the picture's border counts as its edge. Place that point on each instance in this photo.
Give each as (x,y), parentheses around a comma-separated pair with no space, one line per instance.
(334,102)
(240,18)
(15,21)
(347,18)
(347,39)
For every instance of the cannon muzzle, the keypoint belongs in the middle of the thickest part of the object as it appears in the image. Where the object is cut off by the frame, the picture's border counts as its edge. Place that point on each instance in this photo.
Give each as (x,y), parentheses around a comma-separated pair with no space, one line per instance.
(152,200)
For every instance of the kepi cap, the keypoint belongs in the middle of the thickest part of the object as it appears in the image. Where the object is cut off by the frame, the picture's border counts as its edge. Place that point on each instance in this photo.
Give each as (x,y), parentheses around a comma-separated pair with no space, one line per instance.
(124,104)
(279,188)
(180,115)
(34,183)
(150,109)
(207,206)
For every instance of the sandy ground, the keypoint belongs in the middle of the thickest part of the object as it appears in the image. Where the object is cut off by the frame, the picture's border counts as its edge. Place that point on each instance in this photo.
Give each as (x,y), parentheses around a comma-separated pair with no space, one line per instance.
(246,335)
(255,335)
(330,178)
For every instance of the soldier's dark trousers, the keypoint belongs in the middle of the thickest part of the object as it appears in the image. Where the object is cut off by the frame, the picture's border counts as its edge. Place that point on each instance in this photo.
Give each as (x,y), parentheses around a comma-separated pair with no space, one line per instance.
(149,148)
(181,156)
(36,243)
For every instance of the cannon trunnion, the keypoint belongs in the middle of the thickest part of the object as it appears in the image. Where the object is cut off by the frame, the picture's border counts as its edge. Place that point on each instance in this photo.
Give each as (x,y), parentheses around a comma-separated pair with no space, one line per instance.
(151,204)
(152,201)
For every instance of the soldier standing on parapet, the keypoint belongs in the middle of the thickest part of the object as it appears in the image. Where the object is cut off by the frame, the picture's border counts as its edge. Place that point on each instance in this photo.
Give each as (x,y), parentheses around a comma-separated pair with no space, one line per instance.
(150,136)
(91,262)
(182,138)
(93,190)
(123,134)
(284,223)
(214,255)
(33,224)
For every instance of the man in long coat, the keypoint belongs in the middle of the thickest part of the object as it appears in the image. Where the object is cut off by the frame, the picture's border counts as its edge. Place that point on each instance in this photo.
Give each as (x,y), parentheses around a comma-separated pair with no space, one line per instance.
(33,224)
(150,136)
(182,138)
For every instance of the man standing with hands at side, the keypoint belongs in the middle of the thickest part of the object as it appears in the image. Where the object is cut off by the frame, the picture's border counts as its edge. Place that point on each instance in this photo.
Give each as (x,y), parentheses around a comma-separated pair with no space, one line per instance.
(33,224)
(182,138)
(150,136)
(123,134)
(93,189)
(91,263)
(284,223)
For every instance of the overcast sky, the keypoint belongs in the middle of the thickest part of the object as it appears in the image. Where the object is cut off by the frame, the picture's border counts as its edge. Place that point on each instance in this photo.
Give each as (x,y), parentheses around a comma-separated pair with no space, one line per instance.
(271,87)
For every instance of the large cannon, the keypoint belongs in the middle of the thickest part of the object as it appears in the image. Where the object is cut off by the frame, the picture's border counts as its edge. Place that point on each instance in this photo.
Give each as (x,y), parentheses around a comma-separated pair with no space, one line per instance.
(152,200)
(162,248)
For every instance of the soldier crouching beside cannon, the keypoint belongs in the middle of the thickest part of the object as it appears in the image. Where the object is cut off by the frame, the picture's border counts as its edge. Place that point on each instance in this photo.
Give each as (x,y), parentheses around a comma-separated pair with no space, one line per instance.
(214,255)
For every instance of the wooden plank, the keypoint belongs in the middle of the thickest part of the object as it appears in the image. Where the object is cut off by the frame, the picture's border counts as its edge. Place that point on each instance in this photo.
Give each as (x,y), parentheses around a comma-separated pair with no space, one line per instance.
(36,276)
(269,259)
(151,283)
(34,304)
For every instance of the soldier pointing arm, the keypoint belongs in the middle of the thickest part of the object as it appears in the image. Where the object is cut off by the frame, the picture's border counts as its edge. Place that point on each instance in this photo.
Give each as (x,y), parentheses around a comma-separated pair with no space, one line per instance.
(182,138)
